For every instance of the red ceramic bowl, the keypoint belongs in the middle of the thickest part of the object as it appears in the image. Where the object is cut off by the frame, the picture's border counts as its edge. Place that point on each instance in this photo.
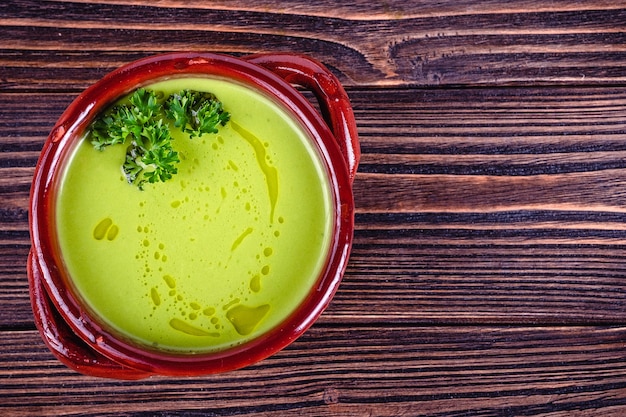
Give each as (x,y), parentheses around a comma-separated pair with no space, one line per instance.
(79,339)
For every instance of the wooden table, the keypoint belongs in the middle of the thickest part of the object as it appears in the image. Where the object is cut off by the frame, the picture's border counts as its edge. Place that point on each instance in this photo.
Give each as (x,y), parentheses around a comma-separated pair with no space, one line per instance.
(488,273)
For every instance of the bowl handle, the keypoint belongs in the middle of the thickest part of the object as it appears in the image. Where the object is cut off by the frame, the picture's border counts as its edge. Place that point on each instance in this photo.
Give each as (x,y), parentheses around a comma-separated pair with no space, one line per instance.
(334,102)
(62,342)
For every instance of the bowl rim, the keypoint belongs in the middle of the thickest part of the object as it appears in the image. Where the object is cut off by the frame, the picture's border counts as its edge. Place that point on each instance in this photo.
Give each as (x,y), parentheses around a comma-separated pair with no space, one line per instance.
(68,130)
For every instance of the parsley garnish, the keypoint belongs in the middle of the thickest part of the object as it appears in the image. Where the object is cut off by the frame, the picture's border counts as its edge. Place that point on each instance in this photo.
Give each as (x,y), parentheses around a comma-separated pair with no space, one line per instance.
(145,123)
(196,113)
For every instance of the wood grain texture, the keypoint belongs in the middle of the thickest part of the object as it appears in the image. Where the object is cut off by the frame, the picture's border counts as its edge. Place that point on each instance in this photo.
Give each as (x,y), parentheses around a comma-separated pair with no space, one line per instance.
(475,206)
(488,273)
(391,43)
(333,371)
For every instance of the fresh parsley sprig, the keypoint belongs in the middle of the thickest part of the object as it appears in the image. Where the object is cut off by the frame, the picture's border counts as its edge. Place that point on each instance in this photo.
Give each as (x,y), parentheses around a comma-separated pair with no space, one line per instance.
(145,124)
(196,113)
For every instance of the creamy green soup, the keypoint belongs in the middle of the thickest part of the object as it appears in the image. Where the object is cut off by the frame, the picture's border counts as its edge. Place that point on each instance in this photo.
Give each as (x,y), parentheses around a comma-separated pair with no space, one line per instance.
(216,256)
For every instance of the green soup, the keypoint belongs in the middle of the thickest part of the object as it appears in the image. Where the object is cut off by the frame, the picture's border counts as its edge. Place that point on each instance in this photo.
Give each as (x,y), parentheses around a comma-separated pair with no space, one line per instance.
(216,256)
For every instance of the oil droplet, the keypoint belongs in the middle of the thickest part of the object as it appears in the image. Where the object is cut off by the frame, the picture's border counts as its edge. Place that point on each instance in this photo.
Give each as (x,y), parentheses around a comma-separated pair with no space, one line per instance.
(181,326)
(265,270)
(231,303)
(209,311)
(223,192)
(240,239)
(268,251)
(195,306)
(161,246)
(276,233)
(156,299)
(146,242)
(175,203)
(113,231)
(100,231)
(193,316)
(271,174)
(233,165)
(255,283)
(245,319)
(157,255)
(169,281)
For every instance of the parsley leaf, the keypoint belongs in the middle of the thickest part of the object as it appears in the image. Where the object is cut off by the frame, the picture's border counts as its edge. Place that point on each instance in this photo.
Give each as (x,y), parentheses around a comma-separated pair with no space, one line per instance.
(145,123)
(196,112)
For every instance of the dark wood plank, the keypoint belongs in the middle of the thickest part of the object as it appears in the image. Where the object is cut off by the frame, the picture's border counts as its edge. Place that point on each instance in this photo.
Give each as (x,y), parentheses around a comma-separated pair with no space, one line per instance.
(487,274)
(473,206)
(395,43)
(360,9)
(335,371)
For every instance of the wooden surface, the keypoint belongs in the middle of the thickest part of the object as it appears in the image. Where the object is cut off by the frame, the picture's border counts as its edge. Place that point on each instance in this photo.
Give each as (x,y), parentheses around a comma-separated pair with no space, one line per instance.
(488,274)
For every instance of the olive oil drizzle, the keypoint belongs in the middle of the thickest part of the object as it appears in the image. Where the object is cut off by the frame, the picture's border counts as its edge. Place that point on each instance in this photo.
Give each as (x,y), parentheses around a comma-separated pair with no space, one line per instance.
(270,172)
